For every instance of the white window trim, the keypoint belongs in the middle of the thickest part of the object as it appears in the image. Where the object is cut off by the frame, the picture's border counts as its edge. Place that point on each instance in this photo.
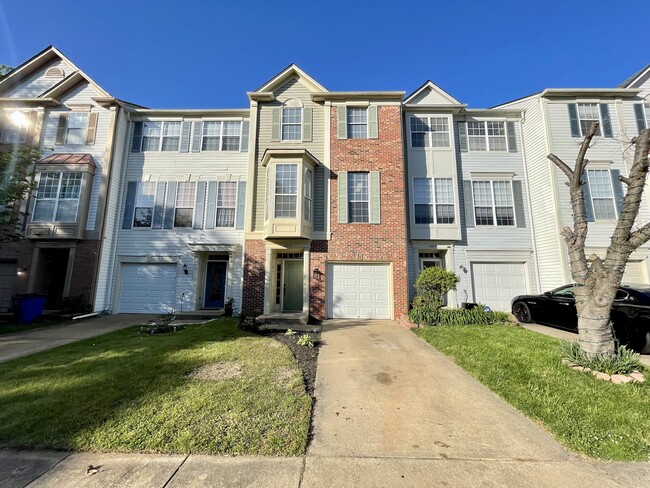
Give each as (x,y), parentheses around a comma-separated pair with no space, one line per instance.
(221,136)
(176,207)
(275,194)
(612,196)
(348,123)
(600,119)
(283,124)
(136,207)
(487,137)
(57,199)
(429,146)
(367,202)
(494,211)
(84,135)
(161,137)
(217,207)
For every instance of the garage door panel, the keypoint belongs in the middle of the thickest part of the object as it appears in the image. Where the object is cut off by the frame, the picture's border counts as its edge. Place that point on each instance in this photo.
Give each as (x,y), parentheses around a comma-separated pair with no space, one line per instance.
(358,291)
(148,288)
(495,284)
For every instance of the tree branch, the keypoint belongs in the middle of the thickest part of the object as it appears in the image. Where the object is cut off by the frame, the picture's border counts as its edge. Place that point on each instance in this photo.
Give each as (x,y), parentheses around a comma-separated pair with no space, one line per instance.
(562,165)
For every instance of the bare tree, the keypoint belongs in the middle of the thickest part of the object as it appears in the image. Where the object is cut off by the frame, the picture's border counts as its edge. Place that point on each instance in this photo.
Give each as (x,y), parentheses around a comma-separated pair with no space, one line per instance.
(599,278)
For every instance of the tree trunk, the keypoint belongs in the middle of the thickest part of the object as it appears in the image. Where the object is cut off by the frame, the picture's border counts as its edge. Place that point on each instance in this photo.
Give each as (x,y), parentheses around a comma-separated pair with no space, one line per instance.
(594,327)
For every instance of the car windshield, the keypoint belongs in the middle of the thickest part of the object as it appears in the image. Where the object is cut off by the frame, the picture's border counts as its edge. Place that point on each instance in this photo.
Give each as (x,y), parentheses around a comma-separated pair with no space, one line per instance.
(565,291)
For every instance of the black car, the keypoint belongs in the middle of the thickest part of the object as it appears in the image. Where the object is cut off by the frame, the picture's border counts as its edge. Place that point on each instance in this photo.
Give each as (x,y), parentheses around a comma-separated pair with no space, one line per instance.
(630,313)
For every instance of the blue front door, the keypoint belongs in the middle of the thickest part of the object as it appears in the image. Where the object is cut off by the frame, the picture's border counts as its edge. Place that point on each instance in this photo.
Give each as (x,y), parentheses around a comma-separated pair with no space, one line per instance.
(215,284)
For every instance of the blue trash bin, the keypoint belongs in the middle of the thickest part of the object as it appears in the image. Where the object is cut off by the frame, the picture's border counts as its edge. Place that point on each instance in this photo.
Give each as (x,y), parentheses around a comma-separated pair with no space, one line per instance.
(28,307)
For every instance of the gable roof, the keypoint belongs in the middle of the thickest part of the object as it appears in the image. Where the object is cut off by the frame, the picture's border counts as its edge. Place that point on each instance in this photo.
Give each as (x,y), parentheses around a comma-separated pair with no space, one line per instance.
(45,57)
(635,77)
(429,86)
(291,71)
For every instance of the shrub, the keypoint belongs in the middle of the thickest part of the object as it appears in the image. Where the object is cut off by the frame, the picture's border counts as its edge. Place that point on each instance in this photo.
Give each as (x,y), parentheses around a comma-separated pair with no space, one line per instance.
(623,361)
(290,332)
(305,340)
(432,285)
(248,324)
(456,316)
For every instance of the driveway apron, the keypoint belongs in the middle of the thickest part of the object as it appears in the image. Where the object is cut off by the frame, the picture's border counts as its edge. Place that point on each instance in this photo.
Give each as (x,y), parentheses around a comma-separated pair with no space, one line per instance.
(383,392)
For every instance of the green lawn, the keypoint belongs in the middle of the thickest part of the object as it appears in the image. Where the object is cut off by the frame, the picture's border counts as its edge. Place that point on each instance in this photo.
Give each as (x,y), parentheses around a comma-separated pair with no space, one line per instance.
(127,392)
(587,415)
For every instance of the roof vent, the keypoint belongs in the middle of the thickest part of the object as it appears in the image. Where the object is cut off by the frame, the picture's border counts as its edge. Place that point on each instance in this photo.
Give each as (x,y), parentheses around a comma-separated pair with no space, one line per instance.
(55,73)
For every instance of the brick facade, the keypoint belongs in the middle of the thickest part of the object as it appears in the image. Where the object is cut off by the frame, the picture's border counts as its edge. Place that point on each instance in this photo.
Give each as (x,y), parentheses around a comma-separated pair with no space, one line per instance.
(254,266)
(384,242)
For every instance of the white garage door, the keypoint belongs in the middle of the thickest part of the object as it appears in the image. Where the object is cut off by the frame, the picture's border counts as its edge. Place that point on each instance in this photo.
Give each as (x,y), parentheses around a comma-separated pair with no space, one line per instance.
(495,284)
(148,288)
(358,291)
(7,282)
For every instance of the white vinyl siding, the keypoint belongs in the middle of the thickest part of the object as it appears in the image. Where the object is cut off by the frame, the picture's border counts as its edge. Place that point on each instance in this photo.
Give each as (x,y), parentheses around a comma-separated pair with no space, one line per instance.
(358,291)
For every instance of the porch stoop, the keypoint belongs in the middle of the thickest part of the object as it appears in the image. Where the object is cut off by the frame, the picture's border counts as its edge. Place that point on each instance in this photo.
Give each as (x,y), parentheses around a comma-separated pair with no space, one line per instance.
(297,321)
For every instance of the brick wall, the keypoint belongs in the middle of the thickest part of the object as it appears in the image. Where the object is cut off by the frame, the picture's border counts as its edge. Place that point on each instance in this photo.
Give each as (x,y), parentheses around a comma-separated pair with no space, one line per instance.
(385,242)
(254,264)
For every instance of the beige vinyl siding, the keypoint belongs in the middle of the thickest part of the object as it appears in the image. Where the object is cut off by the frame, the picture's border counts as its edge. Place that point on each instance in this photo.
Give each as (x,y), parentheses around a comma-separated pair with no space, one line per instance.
(113,216)
(81,95)
(291,89)
(38,82)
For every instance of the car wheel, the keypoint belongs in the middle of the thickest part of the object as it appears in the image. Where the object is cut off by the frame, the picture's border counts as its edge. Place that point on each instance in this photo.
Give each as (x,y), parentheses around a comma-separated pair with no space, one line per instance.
(521,312)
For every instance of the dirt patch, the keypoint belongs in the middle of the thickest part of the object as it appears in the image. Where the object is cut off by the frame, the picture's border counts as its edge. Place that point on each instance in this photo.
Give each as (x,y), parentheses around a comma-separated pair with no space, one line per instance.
(307,357)
(217,371)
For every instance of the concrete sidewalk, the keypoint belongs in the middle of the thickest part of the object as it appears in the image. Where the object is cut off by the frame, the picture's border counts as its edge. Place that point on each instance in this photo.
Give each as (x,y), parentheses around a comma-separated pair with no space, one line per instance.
(21,344)
(390,412)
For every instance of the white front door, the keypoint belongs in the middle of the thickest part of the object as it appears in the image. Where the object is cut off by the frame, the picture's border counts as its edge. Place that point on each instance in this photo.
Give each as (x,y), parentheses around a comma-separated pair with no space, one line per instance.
(358,290)
(148,288)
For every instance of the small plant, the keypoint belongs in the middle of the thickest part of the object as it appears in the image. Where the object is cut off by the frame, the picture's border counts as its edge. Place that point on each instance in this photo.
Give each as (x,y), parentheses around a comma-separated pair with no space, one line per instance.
(248,324)
(290,332)
(228,306)
(162,324)
(305,340)
(624,361)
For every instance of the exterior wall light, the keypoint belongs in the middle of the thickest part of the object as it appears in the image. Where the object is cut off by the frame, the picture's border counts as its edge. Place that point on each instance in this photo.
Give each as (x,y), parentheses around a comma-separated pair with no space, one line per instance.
(185,270)
(21,270)
(318,274)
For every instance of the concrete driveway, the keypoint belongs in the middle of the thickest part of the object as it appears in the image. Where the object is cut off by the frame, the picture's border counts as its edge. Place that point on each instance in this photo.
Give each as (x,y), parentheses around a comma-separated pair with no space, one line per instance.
(21,344)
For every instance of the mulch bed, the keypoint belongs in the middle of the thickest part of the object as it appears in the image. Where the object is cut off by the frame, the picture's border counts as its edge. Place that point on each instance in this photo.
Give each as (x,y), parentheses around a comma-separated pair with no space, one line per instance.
(307,357)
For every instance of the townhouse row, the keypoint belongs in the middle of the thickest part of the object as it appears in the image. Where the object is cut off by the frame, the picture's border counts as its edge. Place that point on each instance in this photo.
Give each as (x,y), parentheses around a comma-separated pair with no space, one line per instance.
(311,202)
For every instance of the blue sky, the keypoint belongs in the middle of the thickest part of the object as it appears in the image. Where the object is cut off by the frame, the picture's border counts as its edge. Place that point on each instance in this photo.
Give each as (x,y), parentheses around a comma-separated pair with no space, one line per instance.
(207,54)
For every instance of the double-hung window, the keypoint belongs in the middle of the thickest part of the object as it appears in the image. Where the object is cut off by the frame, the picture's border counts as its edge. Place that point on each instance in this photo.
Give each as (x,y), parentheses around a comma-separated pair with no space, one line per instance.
(429,131)
(358,198)
(357,122)
(433,200)
(307,192)
(286,190)
(57,198)
(587,116)
(12,134)
(75,133)
(144,203)
(226,203)
(161,136)
(221,136)
(291,123)
(493,203)
(602,195)
(487,136)
(184,210)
